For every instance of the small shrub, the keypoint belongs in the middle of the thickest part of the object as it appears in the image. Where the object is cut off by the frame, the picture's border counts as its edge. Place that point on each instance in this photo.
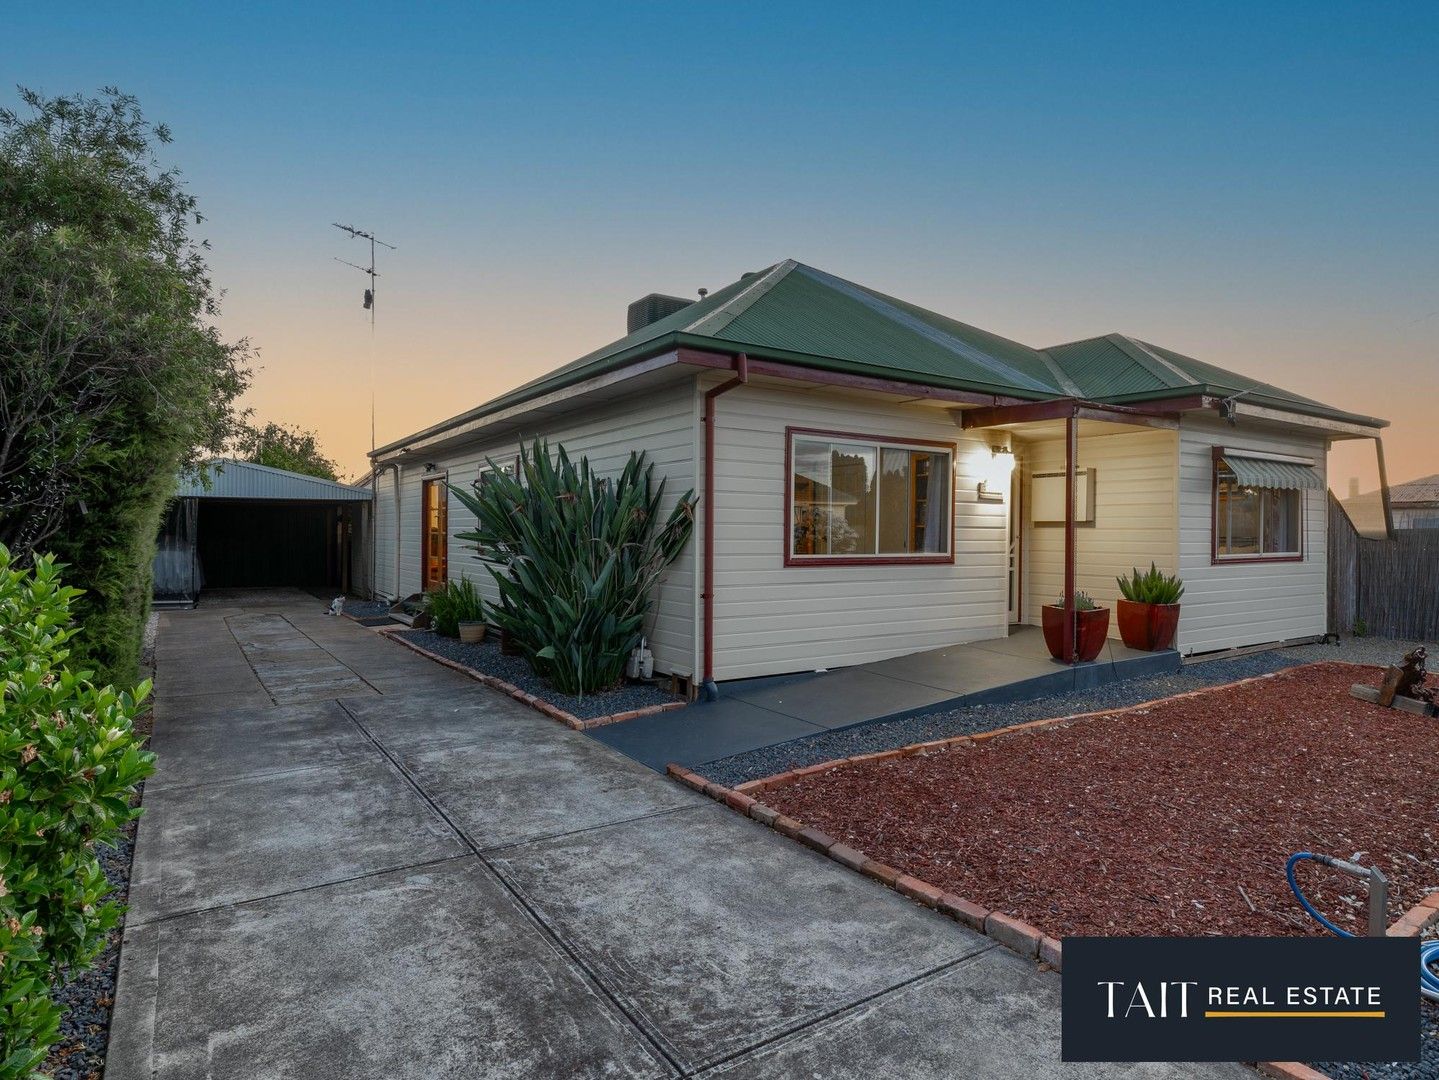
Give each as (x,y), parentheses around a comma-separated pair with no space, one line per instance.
(1361,628)
(69,765)
(1151,587)
(578,555)
(459,601)
(1082,602)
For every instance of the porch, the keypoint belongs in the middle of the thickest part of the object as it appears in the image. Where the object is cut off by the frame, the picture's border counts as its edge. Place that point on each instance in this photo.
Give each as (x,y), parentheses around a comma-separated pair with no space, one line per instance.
(753,713)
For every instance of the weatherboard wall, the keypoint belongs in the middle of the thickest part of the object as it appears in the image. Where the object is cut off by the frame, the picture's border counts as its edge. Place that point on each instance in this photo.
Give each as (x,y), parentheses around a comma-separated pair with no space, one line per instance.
(1229,605)
(661,422)
(773,619)
(1135,516)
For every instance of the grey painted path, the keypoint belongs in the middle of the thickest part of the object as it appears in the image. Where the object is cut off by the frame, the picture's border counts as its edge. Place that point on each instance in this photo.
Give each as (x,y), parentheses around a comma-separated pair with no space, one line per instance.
(355,864)
(752,713)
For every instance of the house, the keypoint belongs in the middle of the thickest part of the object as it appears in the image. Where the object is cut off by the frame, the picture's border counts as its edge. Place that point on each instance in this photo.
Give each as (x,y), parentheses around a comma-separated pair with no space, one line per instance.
(877,479)
(242,525)
(1414,505)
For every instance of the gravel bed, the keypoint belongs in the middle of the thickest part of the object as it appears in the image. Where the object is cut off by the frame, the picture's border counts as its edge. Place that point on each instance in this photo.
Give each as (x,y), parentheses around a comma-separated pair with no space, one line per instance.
(1150,821)
(515,670)
(366,609)
(967,720)
(1426,1068)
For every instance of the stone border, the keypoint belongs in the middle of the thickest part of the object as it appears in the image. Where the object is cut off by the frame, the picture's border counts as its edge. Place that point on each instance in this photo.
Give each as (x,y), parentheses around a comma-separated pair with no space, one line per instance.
(554,712)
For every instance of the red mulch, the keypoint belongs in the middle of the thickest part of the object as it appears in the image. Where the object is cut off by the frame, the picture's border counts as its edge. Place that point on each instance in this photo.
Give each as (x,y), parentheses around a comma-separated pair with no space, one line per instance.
(1148,822)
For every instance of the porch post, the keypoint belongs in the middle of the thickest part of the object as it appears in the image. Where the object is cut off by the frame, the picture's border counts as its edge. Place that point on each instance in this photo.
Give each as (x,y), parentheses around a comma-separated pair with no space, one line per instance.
(1071,452)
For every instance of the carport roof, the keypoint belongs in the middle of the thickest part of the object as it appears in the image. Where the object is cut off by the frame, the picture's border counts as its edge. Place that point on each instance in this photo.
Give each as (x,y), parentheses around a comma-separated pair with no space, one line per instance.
(231,479)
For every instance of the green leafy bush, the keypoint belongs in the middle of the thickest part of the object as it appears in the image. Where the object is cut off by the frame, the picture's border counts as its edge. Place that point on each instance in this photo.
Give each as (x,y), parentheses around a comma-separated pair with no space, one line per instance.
(577,556)
(1151,587)
(69,764)
(459,601)
(1082,602)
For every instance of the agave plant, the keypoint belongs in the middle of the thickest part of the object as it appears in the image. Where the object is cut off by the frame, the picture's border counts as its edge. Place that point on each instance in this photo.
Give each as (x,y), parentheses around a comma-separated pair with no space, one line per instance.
(576,557)
(1151,587)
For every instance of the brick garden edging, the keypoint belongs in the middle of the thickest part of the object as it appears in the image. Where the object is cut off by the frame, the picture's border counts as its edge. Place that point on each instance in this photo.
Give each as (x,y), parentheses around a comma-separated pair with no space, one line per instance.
(554,712)
(1008,930)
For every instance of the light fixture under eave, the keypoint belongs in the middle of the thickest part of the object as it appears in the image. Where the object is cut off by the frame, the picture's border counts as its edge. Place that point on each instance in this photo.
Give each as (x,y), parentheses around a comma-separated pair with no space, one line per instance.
(995,484)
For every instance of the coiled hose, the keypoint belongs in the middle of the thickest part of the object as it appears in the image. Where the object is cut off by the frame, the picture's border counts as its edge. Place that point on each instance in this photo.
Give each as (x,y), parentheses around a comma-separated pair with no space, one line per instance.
(1428,951)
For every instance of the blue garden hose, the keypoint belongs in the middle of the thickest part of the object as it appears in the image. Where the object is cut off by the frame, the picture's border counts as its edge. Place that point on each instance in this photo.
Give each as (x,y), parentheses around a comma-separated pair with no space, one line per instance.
(1428,951)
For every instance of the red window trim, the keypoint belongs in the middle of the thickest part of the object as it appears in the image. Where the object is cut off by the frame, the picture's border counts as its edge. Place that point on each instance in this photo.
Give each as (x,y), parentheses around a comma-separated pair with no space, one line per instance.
(927,559)
(1216,559)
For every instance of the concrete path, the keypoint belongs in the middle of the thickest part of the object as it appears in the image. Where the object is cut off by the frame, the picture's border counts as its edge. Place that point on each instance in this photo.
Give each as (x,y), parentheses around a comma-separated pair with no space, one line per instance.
(752,713)
(356,864)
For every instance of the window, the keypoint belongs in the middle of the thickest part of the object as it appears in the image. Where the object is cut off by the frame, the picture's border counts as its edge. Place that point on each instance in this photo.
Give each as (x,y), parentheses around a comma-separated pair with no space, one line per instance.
(1253,522)
(508,466)
(855,498)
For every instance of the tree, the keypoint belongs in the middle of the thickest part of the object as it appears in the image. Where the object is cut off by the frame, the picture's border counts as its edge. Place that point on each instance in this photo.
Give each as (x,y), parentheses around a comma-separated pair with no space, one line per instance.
(112,374)
(283,446)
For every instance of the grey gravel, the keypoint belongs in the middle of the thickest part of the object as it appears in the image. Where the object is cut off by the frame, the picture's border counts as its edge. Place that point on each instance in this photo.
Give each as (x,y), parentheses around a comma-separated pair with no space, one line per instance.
(89,997)
(366,609)
(886,735)
(515,670)
(1426,1068)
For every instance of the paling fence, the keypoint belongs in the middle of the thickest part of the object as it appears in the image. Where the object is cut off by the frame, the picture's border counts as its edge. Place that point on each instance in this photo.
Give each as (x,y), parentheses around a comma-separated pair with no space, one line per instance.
(1390,588)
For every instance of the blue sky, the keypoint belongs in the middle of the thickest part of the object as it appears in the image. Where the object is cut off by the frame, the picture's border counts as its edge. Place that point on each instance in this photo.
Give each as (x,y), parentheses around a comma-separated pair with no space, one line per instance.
(1255,185)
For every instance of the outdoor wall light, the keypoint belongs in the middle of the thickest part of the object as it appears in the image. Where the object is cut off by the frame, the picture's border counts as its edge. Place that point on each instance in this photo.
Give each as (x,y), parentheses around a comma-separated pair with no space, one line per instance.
(995,484)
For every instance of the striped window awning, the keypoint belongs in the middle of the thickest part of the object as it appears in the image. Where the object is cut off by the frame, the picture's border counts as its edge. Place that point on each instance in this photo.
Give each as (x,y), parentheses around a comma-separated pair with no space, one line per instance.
(1263,473)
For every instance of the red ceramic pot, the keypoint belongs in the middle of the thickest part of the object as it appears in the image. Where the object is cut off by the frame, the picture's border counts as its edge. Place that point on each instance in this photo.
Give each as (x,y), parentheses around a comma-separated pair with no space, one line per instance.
(1092,629)
(1147,626)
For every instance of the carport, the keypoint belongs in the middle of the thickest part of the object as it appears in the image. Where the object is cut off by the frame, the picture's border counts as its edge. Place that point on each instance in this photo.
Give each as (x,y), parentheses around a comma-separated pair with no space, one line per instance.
(250,526)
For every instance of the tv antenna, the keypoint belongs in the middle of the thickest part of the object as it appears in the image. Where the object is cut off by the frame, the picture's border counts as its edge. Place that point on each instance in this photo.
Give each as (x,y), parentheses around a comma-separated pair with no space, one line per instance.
(369,301)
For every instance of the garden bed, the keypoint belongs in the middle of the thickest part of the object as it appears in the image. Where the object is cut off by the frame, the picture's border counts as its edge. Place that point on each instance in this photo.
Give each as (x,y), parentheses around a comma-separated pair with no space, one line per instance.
(1150,821)
(513,675)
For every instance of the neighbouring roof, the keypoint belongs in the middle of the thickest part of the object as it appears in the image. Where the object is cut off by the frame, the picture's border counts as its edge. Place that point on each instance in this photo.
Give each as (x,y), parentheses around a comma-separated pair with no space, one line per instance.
(804,316)
(230,479)
(1421,492)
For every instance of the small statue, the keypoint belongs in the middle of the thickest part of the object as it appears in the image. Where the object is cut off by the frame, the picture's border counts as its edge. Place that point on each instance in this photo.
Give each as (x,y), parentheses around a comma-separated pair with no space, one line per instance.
(1407,679)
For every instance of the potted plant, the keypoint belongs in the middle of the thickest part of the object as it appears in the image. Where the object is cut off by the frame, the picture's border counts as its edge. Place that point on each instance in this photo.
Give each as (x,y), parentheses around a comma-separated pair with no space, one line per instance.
(1091,629)
(1149,610)
(456,610)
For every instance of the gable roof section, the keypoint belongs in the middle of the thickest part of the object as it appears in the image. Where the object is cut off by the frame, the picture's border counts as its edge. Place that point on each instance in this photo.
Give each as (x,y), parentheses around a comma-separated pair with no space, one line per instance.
(231,479)
(803,316)
(1117,369)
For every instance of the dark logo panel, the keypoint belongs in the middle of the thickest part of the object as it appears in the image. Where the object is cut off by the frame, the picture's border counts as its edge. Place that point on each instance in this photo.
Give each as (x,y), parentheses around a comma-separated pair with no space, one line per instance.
(1241,999)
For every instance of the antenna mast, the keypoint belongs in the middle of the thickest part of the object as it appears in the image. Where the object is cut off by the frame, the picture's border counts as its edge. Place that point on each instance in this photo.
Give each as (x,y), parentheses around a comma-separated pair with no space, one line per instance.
(362,234)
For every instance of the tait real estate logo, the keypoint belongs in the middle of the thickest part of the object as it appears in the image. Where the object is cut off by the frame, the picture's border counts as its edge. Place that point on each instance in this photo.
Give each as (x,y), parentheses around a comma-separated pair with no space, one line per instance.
(1241,999)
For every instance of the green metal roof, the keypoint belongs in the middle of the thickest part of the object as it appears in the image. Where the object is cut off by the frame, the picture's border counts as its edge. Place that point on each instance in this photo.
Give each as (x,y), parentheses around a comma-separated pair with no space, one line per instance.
(804,316)
(1117,369)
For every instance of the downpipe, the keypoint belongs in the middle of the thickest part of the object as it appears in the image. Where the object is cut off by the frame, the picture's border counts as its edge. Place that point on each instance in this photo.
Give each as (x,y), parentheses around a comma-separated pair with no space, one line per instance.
(708,689)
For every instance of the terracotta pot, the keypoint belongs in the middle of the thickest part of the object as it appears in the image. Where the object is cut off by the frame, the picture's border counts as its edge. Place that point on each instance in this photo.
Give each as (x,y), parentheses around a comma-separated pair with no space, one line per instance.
(1092,630)
(1147,626)
(472,633)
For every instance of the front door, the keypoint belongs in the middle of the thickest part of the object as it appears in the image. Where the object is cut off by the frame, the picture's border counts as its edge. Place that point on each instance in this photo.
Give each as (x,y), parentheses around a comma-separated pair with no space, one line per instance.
(435,537)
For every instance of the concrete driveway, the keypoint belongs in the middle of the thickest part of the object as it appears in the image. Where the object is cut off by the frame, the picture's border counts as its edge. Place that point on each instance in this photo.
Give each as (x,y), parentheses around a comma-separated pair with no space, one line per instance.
(357,864)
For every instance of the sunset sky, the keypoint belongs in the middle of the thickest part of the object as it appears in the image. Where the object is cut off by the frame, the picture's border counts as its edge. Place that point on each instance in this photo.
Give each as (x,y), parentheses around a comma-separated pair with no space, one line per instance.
(1254,185)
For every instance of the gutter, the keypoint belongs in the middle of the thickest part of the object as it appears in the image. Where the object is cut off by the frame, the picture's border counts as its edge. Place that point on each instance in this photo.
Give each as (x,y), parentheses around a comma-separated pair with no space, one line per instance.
(741,369)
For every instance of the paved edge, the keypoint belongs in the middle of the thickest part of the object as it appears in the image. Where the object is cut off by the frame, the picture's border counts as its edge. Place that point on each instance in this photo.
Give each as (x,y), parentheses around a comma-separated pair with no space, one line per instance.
(554,712)
(1013,933)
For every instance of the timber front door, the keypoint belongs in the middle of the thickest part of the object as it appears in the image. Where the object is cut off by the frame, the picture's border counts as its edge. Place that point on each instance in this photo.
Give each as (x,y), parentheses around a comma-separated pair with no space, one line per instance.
(436,536)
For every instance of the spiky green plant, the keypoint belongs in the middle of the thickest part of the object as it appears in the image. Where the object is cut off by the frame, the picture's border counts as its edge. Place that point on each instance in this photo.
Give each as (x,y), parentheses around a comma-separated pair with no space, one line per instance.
(575,556)
(1151,587)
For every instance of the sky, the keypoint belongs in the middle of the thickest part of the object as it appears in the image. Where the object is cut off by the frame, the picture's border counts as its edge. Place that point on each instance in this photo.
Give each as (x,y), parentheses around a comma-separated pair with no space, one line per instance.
(1253,185)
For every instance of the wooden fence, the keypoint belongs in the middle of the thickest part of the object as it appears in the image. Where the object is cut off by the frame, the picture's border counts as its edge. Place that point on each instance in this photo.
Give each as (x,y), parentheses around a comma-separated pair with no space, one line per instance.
(1389,587)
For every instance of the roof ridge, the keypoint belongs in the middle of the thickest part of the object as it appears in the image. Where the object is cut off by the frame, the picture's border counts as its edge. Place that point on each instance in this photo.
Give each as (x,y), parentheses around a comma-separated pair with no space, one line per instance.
(940,337)
(712,322)
(1150,360)
(1066,383)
